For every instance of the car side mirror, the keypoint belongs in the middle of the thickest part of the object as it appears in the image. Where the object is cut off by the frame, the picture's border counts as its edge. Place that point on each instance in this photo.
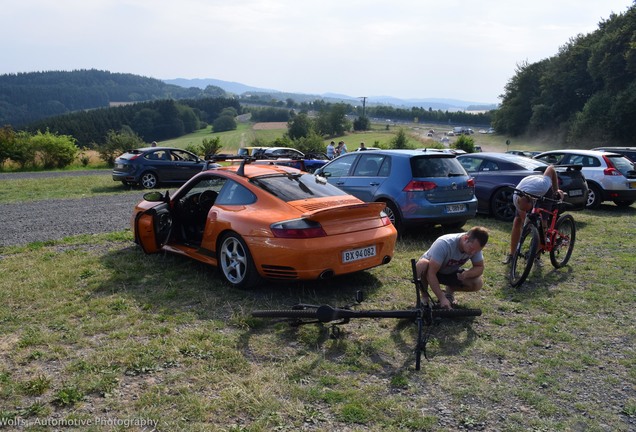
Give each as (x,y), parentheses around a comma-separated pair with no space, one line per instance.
(154,196)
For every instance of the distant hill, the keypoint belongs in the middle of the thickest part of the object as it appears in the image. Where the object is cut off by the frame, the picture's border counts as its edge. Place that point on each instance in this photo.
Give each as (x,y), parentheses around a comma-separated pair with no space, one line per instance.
(32,96)
(240,89)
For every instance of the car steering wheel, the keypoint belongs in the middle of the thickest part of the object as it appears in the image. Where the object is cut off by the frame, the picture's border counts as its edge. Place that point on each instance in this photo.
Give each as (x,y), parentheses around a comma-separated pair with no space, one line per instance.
(207,198)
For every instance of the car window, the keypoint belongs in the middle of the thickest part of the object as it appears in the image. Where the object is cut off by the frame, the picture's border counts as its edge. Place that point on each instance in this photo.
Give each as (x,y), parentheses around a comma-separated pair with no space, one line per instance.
(552,158)
(621,163)
(130,154)
(207,183)
(233,193)
(470,164)
(368,165)
(180,155)
(158,155)
(436,167)
(294,187)
(339,167)
(489,165)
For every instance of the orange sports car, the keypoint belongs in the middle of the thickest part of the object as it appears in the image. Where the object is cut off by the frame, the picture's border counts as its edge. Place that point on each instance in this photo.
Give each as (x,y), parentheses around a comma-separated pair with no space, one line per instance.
(258,222)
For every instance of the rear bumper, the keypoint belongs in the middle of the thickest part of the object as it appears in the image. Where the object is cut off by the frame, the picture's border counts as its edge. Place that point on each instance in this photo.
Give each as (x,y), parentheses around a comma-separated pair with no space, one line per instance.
(619,195)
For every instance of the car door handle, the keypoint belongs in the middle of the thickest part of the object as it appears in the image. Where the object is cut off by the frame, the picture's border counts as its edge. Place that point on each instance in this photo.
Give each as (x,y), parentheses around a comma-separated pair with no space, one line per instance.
(374,184)
(340,183)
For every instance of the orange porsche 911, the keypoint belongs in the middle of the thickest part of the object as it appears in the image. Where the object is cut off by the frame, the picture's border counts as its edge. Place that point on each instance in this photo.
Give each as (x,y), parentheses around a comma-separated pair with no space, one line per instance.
(273,222)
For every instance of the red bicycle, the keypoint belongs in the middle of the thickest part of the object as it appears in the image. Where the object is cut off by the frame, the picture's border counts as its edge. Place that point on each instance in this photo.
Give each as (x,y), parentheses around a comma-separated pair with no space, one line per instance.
(544,230)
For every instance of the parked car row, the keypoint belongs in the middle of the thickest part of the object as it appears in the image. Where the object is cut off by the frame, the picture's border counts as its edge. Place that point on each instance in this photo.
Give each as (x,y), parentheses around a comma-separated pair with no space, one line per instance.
(261,219)
(495,173)
(610,176)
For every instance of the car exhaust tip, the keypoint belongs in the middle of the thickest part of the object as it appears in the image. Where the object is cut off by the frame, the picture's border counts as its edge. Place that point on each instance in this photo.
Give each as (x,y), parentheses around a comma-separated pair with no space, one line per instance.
(386,259)
(327,274)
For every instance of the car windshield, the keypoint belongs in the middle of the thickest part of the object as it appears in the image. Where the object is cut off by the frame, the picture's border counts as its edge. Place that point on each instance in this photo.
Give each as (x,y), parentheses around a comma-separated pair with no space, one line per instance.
(294,187)
(427,166)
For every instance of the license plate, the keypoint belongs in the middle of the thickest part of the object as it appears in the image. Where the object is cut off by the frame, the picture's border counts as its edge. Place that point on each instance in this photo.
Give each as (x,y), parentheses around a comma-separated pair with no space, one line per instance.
(456,208)
(358,254)
(120,166)
(575,192)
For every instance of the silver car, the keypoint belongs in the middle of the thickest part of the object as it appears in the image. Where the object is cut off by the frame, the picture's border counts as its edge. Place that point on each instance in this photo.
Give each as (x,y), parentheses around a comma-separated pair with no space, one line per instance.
(609,176)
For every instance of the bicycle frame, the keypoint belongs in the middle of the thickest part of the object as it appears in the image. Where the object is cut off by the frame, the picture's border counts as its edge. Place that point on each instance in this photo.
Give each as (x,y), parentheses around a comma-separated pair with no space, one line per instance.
(547,232)
(543,230)
(425,313)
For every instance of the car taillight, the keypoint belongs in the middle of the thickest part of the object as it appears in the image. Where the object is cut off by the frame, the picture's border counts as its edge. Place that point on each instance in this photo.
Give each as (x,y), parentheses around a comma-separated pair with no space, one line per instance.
(298,228)
(135,156)
(385,219)
(471,182)
(611,169)
(419,186)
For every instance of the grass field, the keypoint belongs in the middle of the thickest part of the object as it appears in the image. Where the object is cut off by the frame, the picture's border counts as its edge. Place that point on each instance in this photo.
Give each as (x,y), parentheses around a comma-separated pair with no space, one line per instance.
(95,335)
(94,331)
(378,136)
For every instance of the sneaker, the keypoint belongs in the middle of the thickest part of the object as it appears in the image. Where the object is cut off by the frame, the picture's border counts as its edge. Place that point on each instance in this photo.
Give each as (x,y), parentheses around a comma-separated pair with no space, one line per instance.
(507,259)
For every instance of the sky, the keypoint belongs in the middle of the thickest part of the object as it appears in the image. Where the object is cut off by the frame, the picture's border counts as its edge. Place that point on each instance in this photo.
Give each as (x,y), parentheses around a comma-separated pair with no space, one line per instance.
(410,49)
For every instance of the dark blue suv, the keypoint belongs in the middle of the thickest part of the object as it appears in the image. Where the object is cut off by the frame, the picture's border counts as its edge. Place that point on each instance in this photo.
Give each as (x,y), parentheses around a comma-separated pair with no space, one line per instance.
(419,187)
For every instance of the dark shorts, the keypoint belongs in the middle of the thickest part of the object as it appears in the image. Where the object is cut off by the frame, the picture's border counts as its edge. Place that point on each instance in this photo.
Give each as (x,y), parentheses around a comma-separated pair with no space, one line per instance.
(547,205)
(450,279)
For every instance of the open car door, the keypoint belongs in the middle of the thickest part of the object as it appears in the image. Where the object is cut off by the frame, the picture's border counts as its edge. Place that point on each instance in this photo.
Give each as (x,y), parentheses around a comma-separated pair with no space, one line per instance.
(153,228)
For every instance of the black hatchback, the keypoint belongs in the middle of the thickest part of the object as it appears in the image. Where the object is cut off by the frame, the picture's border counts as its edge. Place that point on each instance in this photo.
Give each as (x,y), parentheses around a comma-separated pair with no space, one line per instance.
(150,166)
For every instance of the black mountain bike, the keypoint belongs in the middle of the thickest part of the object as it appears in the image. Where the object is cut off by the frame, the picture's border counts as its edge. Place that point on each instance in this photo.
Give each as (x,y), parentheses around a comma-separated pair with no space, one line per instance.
(425,313)
(544,230)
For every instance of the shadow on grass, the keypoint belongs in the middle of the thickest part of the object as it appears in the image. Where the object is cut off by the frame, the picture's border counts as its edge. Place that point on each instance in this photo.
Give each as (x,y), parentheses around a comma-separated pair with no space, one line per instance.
(168,285)
(167,281)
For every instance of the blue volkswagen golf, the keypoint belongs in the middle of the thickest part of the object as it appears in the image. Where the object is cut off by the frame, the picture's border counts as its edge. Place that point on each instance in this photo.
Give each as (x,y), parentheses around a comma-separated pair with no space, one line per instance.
(419,187)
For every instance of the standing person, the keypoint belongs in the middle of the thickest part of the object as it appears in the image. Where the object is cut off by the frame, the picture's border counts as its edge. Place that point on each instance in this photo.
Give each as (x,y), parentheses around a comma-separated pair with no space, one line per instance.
(441,264)
(342,148)
(331,150)
(546,185)
(153,144)
(362,147)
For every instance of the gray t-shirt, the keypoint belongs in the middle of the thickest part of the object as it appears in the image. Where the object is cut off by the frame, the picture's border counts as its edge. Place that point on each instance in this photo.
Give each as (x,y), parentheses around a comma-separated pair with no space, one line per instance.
(535,184)
(445,250)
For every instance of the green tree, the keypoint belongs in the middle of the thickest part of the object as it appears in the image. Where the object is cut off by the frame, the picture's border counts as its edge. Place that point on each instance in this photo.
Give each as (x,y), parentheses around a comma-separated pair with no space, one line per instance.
(299,126)
(312,143)
(210,146)
(7,143)
(54,151)
(361,124)
(117,143)
(333,121)
(21,151)
(400,140)
(465,143)
(224,123)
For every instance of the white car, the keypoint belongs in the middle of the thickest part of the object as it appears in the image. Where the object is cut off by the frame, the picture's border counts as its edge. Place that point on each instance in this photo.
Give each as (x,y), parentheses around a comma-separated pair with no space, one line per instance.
(609,176)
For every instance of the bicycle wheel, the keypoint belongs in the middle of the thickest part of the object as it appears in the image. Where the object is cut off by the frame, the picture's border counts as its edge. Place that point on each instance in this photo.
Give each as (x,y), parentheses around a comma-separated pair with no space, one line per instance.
(457,312)
(286,313)
(563,241)
(524,256)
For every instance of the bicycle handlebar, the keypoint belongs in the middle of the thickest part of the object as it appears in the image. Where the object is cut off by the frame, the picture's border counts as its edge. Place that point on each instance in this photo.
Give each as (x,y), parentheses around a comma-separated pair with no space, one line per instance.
(537,197)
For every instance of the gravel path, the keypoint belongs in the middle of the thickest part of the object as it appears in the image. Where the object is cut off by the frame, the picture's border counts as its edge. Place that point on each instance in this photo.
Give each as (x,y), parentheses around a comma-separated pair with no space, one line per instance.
(26,222)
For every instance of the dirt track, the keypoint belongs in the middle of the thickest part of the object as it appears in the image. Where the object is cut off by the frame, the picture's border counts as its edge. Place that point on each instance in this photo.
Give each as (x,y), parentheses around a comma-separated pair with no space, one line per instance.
(25,222)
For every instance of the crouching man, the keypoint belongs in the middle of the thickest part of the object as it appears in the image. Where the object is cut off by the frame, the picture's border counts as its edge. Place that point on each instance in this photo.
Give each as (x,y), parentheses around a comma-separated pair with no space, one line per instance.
(442,264)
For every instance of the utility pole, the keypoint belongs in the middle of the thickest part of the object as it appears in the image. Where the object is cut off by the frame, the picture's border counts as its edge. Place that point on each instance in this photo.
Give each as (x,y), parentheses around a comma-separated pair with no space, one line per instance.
(364,104)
